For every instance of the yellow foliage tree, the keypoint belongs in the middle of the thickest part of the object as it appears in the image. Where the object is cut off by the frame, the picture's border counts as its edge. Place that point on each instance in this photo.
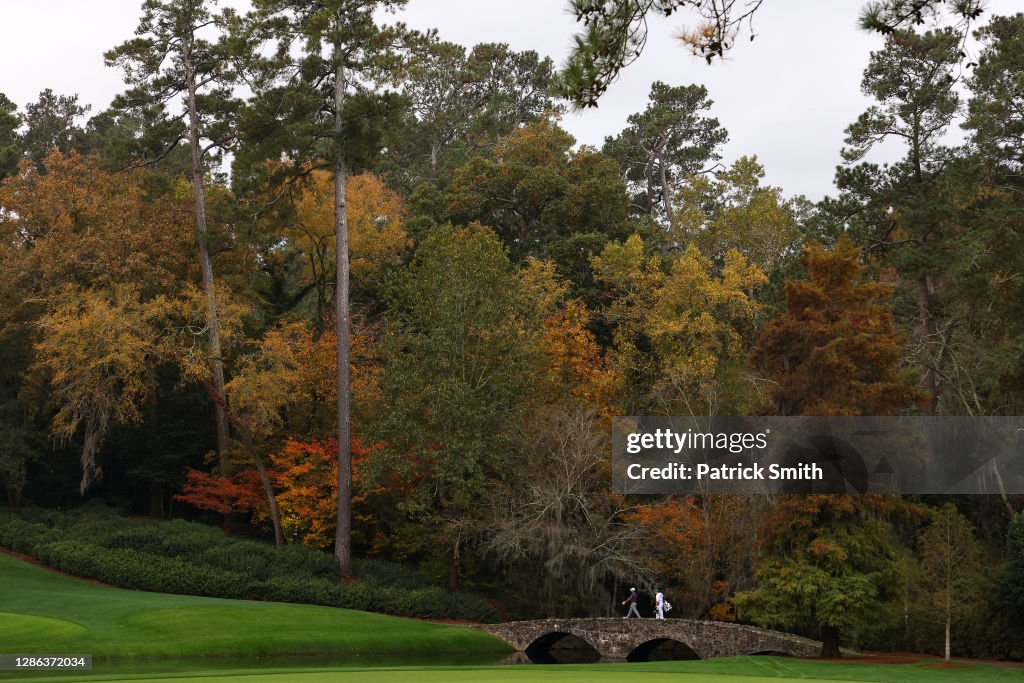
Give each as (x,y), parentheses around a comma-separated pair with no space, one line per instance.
(681,329)
(376,235)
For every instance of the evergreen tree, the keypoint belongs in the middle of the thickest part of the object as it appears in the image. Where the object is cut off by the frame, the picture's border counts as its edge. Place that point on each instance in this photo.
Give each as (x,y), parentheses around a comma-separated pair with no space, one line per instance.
(317,103)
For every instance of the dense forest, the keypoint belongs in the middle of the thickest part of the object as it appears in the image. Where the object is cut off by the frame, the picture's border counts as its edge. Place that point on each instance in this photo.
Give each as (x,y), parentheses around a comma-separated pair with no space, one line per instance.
(305,249)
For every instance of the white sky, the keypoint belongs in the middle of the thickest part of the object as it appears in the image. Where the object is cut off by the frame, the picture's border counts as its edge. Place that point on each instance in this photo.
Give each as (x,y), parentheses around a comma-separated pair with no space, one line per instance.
(786,96)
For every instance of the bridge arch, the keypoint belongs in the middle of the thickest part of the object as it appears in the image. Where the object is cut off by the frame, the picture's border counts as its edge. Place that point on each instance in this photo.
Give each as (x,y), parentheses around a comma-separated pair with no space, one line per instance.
(657,649)
(618,639)
(540,650)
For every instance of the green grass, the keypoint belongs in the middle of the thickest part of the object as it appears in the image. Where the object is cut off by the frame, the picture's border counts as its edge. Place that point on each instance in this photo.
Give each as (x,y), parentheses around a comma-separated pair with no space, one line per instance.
(183,638)
(42,611)
(735,670)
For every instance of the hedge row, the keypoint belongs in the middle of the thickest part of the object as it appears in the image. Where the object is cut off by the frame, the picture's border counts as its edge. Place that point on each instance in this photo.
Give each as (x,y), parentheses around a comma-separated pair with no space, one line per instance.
(193,559)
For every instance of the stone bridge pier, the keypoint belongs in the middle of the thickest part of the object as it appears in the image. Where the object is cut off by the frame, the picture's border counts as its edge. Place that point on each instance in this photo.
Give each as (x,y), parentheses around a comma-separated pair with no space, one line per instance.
(620,639)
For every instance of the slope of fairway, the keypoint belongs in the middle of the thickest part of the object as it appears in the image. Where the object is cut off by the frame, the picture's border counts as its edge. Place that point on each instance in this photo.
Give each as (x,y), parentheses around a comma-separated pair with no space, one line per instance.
(42,611)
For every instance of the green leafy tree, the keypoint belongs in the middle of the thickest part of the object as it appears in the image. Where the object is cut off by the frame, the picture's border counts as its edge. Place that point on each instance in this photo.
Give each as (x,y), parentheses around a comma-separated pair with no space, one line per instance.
(670,140)
(544,199)
(829,563)
(10,147)
(996,110)
(458,356)
(985,375)
(1012,582)
(52,122)
(141,136)
(905,210)
(461,102)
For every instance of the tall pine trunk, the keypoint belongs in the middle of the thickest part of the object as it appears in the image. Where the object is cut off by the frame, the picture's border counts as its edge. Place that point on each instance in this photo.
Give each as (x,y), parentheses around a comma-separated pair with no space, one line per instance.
(205,262)
(925,331)
(343,530)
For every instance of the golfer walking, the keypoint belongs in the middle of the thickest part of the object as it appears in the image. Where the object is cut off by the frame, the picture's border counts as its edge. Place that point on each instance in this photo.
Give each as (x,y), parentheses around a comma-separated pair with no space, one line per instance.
(632,604)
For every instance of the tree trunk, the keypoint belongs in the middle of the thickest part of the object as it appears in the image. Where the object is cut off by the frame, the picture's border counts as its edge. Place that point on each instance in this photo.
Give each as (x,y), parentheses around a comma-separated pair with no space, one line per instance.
(268,490)
(924,332)
(205,262)
(947,639)
(343,530)
(453,569)
(156,500)
(250,447)
(666,198)
(830,642)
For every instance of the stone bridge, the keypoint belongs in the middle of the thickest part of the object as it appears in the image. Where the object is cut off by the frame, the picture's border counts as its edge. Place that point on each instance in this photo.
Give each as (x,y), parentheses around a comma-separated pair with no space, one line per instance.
(633,639)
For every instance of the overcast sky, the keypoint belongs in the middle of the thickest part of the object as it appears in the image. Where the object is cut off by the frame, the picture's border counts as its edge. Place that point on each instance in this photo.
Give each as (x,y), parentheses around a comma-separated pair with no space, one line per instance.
(786,96)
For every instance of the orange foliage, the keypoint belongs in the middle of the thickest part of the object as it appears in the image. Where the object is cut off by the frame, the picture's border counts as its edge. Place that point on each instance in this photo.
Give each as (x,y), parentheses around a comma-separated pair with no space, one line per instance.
(306,478)
(239,493)
(80,224)
(288,386)
(699,549)
(835,349)
(573,365)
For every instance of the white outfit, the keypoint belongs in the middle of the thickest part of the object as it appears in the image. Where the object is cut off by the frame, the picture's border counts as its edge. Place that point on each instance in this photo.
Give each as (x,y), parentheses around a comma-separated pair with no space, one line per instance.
(659,606)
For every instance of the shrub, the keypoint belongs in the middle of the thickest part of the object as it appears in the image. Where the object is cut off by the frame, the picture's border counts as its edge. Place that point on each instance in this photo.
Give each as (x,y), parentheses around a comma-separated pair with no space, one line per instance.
(23,536)
(141,571)
(389,574)
(194,559)
(298,560)
(246,557)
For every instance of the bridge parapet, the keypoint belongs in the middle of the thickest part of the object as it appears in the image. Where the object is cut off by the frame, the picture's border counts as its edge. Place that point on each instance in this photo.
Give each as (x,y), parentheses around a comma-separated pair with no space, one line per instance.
(616,638)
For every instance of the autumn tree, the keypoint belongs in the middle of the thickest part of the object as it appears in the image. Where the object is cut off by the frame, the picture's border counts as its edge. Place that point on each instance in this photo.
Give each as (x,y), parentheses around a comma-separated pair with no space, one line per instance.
(100,352)
(830,561)
(552,511)
(834,351)
(172,57)
(377,239)
(701,549)
(680,330)
(734,210)
(949,570)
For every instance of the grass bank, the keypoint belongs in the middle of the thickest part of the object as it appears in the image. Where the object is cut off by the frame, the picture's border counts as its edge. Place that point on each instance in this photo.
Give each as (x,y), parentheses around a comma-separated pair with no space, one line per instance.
(42,611)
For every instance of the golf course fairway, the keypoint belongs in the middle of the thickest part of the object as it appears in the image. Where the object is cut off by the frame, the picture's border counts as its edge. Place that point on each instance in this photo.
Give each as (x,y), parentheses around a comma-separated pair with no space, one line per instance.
(136,636)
